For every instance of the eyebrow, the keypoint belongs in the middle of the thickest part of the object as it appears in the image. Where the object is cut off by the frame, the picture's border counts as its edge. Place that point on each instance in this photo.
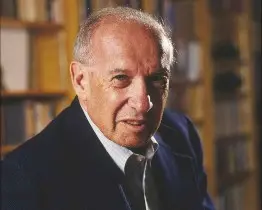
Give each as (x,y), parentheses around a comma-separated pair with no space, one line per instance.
(160,71)
(115,71)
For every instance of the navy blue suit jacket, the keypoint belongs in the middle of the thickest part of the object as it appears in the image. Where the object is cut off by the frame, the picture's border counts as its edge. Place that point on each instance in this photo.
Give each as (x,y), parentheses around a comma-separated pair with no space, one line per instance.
(65,167)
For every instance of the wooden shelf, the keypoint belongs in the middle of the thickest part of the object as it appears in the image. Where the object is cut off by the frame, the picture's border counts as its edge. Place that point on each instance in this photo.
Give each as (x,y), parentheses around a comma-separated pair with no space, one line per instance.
(7,148)
(34,95)
(238,95)
(183,1)
(197,120)
(32,26)
(228,181)
(224,14)
(225,62)
(233,138)
(185,83)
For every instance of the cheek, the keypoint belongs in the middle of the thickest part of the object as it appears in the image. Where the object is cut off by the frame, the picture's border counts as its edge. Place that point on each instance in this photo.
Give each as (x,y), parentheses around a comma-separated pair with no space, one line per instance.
(112,96)
(113,103)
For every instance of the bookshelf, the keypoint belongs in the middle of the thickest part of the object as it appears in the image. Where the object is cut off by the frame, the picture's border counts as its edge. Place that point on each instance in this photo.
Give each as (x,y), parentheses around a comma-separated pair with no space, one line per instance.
(235,134)
(8,148)
(31,94)
(232,179)
(39,26)
(28,108)
(25,114)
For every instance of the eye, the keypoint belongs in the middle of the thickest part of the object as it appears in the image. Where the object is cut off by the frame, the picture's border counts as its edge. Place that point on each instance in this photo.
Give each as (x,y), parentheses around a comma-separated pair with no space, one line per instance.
(159,80)
(120,81)
(121,77)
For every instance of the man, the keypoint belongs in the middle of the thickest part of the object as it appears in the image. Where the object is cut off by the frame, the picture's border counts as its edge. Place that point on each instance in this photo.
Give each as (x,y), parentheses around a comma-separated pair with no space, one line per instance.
(82,160)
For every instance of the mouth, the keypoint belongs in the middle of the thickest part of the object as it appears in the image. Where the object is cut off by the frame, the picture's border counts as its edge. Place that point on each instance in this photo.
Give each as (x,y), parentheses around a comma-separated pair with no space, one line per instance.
(135,125)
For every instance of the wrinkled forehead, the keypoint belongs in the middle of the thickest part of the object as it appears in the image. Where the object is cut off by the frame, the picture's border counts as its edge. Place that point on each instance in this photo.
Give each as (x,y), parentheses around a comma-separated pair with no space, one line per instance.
(128,35)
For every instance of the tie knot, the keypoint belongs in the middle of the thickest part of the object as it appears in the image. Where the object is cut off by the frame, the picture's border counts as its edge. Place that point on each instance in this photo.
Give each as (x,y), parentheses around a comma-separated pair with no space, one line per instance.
(138,158)
(140,183)
(135,164)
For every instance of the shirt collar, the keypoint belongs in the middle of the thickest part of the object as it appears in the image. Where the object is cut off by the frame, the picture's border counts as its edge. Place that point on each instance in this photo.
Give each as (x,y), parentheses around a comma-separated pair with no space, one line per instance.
(118,153)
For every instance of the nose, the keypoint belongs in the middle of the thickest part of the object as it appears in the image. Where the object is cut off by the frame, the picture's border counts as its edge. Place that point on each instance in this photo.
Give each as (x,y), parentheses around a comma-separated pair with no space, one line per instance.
(140,99)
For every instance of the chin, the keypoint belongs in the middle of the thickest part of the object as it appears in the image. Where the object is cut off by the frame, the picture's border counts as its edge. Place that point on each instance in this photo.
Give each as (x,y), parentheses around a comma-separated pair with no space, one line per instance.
(135,142)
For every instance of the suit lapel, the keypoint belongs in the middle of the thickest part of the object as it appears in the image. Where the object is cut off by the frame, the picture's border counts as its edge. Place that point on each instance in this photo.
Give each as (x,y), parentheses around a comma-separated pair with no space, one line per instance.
(174,171)
(98,172)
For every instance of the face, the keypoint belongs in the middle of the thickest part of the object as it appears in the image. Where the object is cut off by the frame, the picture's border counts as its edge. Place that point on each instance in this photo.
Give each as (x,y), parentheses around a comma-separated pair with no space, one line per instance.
(125,88)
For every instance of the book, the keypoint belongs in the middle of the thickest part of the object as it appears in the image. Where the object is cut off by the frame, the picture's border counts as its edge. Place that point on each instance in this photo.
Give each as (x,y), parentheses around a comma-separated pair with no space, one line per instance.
(231,199)
(8,8)
(29,123)
(194,60)
(168,14)
(43,114)
(15,58)
(40,10)
(14,122)
(136,4)
(27,10)
(22,119)
(85,9)
(56,11)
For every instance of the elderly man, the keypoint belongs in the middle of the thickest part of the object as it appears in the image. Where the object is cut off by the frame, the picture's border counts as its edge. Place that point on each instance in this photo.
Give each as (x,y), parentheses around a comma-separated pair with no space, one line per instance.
(113,148)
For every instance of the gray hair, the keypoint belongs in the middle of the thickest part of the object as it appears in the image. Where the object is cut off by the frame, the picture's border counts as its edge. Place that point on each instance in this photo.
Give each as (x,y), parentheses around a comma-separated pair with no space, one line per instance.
(82,48)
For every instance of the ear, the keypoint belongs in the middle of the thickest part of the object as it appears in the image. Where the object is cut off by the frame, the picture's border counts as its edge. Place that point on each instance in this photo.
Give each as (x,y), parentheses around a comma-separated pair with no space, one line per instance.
(78,79)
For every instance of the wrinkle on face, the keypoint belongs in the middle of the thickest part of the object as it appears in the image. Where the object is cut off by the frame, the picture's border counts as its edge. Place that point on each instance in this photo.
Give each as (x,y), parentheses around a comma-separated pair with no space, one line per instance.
(132,50)
(123,39)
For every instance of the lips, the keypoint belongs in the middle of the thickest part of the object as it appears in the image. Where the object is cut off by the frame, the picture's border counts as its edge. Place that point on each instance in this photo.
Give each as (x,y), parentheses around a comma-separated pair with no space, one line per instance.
(135,122)
(135,125)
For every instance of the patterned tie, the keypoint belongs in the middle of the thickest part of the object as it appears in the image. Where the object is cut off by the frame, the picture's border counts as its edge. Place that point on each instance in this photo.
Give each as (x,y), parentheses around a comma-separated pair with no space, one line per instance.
(139,179)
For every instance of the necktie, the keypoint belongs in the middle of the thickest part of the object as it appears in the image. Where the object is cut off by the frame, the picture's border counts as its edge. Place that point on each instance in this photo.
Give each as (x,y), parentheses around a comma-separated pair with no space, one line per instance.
(150,188)
(140,188)
(134,170)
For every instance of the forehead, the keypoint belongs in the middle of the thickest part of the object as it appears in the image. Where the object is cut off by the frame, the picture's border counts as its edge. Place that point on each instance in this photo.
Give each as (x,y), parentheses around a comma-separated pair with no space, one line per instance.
(125,42)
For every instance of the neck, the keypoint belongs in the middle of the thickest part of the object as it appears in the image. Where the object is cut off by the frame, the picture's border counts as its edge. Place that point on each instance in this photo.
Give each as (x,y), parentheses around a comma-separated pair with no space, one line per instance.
(139,150)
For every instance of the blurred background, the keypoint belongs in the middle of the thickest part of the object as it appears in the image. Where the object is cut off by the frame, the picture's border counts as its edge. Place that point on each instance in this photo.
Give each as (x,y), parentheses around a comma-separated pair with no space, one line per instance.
(216,80)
